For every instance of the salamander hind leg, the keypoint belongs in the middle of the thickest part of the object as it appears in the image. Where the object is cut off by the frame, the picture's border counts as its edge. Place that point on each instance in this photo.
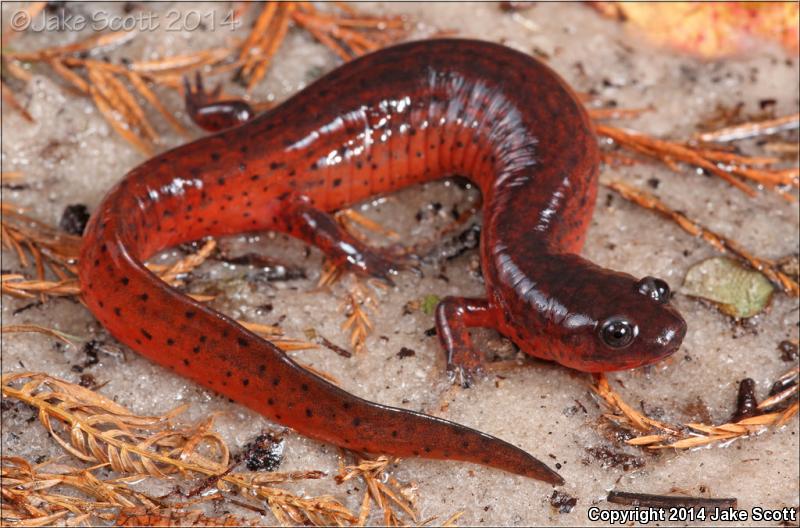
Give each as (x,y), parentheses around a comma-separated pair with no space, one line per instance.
(454,317)
(208,112)
(321,229)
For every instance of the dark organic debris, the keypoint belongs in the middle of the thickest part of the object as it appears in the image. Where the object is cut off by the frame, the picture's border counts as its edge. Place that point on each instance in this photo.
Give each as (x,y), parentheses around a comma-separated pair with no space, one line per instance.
(74,219)
(562,502)
(406,352)
(616,459)
(668,501)
(265,453)
(746,402)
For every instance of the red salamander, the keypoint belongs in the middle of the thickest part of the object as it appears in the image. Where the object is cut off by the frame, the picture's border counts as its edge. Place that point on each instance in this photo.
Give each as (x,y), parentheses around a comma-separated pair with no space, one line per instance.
(408,114)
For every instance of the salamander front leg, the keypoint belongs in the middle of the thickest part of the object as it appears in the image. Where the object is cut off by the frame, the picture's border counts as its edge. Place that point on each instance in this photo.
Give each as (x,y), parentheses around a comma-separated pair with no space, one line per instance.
(208,112)
(321,229)
(454,317)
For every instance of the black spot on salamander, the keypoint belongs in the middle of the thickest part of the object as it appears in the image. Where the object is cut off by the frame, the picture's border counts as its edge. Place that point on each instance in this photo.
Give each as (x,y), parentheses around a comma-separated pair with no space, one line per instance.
(215,156)
(228,374)
(337,182)
(304,387)
(465,444)
(460,144)
(125,281)
(203,338)
(221,180)
(309,413)
(146,334)
(262,369)
(245,382)
(170,341)
(243,149)
(394,434)
(356,421)
(283,195)
(190,313)
(292,172)
(346,406)
(186,362)
(255,177)
(276,381)
(117,312)
(276,165)
(96,263)
(419,154)
(270,401)
(359,164)
(242,342)
(225,333)
(196,350)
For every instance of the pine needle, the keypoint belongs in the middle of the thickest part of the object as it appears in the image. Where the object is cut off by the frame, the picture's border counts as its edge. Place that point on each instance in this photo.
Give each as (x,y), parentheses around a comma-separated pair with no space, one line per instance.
(690,435)
(97,430)
(721,243)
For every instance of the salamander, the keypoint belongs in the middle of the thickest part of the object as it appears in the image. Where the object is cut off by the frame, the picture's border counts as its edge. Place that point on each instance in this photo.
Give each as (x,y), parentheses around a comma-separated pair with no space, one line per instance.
(407,114)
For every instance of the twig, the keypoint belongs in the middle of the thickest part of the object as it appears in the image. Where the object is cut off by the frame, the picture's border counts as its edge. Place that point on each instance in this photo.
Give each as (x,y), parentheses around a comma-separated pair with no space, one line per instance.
(668,501)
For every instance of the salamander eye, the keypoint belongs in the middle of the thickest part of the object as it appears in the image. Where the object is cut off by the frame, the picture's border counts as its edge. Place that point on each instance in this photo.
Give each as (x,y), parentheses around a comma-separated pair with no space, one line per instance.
(656,289)
(618,332)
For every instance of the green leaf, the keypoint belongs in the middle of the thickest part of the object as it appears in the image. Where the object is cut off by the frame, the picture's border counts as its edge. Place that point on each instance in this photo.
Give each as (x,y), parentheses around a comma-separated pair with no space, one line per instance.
(738,291)
(429,303)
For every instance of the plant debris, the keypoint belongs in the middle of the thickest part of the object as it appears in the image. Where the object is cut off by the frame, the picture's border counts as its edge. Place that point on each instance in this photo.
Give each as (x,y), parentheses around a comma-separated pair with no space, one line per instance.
(737,291)
(562,502)
(644,500)
(112,86)
(98,431)
(733,168)
(723,244)
(386,492)
(265,453)
(654,434)
(74,219)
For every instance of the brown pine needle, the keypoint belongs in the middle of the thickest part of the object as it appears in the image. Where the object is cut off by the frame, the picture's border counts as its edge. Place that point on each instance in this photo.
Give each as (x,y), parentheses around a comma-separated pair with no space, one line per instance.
(382,491)
(346,217)
(272,46)
(259,29)
(70,76)
(690,435)
(348,35)
(95,42)
(117,123)
(752,129)
(723,244)
(141,86)
(172,274)
(25,328)
(170,517)
(667,152)
(95,429)
(10,99)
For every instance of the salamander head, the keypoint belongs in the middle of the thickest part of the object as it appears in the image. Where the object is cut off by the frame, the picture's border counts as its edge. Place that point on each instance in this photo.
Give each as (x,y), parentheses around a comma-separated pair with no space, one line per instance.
(629,324)
(589,318)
